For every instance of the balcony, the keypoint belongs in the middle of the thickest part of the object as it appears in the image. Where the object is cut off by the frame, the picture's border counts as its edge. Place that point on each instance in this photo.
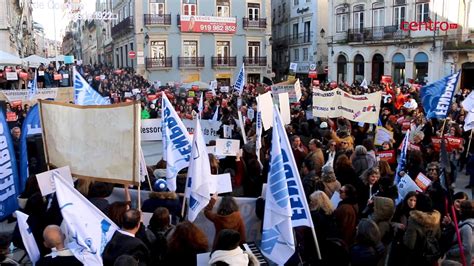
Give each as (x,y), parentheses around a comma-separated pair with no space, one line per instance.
(260,23)
(157,20)
(191,62)
(123,27)
(218,62)
(301,38)
(281,42)
(158,63)
(376,34)
(255,61)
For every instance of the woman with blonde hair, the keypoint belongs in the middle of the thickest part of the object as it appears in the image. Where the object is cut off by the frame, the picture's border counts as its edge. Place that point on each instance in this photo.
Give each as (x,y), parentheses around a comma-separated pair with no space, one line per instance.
(368,187)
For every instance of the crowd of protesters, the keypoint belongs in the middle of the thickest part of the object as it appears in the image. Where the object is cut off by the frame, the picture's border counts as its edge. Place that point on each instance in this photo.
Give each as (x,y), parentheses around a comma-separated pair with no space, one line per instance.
(334,156)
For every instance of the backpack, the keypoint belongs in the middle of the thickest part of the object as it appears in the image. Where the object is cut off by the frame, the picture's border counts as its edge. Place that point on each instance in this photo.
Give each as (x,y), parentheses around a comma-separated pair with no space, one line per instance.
(431,250)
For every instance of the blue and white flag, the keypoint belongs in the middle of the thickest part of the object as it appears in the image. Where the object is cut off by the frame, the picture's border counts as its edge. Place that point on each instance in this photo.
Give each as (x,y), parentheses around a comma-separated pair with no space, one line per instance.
(84,94)
(176,142)
(199,175)
(201,105)
(240,80)
(403,155)
(364,84)
(9,187)
(33,87)
(27,237)
(278,242)
(216,114)
(31,125)
(91,229)
(437,96)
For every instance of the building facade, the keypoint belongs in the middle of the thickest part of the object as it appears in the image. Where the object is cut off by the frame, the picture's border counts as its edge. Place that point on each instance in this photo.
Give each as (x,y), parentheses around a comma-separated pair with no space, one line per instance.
(16,27)
(202,40)
(123,32)
(300,30)
(369,39)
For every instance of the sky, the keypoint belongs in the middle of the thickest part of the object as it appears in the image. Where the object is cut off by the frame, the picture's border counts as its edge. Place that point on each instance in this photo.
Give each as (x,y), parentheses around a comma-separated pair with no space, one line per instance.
(45,12)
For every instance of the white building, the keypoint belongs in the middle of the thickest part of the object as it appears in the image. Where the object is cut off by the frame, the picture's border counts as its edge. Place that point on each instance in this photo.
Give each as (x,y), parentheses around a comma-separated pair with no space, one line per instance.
(299,36)
(16,27)
(369,39)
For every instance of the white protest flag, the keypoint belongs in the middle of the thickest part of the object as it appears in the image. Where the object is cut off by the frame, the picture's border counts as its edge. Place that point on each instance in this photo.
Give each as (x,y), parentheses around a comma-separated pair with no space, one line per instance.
(143,170)
(213,87)
(298,92)
(91,228)
(33,87)
(258,140)
(240,80)
(468,104)
(216,114)
(201,104)
(27,236)
(176,142)
(278,242)
(199,176)
(364,84)
(84,94)
(469,121)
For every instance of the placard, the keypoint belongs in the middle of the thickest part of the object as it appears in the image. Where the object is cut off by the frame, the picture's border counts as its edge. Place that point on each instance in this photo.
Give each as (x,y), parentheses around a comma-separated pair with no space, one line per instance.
(422,181)
(250,114)
(284,102)
(406,185)
(224,89)
(227,131)
(266,107)
(452,143)
(65,76)
(57,76)
(382,135)
(11,117)
(40,73)
(46,179)
(388,156)
(227,147)
(12,76)
(16,103)
(68,59)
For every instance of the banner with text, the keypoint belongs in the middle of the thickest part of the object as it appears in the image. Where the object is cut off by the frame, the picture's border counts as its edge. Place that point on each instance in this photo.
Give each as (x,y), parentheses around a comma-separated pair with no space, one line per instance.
(359,108)
(208,24)
(151,129)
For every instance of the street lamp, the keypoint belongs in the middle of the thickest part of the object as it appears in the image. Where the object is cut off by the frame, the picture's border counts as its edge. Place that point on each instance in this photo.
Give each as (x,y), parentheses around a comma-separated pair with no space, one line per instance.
(322,33)
(147,39)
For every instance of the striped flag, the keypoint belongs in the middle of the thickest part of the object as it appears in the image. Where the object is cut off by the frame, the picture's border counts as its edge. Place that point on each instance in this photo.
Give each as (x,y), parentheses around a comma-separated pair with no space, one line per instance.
(240,80)
(402,159)
(84,94)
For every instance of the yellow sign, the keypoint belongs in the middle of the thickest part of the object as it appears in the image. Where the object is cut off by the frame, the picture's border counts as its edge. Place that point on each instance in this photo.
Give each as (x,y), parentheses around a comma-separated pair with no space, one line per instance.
(291,78)
(191,78)
(223,76)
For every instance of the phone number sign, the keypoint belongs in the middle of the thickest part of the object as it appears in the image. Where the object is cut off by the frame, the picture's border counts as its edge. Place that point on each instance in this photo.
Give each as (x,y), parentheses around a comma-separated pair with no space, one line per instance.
(208,24)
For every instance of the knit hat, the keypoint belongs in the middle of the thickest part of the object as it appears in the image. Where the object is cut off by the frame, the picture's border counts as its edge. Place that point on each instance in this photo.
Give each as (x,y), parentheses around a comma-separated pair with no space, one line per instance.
(160,186)
(323,125)
(159,173)
(327,173)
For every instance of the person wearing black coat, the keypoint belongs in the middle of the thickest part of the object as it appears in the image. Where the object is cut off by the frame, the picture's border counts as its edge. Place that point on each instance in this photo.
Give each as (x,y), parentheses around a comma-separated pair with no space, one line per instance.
(125,242)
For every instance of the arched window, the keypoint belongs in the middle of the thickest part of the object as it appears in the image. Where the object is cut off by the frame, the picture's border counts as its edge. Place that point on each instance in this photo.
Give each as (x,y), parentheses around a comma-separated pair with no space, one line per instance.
(341,68)
(358,68)
(421,67)
(398,68)
(377,68)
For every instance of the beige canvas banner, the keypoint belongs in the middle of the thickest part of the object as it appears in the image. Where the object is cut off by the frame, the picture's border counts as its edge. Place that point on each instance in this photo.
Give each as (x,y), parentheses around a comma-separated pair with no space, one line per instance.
(65,94)
(335,103)
(100,142)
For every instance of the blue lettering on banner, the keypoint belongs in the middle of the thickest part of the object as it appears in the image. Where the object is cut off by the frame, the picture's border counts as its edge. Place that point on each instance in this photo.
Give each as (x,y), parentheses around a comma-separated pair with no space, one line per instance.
(444,102)
(179,140)
(7,185)
(297,208)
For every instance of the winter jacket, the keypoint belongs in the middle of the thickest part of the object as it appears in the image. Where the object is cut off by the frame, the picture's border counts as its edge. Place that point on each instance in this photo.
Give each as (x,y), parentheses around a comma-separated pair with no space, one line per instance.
(466,229)
(318,159)
(362,162)
(346,219)
(384,209)
(364,255)
(418,226)
(233,257)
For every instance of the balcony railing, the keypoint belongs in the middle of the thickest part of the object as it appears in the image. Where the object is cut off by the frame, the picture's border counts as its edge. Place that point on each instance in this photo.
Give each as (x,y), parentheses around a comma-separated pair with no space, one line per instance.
(123,27)
(376,34)
(155,19)
(219,61)
(301,38)
(157,63)
(255,61)
(197,61)
(260,23)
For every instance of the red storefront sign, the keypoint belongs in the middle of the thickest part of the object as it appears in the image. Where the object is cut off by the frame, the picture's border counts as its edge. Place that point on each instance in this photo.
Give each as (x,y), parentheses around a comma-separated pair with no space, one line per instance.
(208,24)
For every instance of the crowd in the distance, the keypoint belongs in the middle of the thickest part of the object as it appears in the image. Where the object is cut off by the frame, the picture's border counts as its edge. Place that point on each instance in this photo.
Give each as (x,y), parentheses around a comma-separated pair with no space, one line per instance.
(368,226)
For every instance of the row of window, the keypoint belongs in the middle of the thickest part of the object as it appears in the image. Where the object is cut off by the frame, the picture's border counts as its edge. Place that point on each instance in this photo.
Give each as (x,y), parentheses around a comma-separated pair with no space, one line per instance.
(190,7)
(422,12)
(398,72)
(190,48)
(296,54)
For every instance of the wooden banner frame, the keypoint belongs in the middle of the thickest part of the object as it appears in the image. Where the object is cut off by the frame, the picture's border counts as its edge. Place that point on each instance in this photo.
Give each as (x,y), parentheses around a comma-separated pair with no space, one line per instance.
(136,141)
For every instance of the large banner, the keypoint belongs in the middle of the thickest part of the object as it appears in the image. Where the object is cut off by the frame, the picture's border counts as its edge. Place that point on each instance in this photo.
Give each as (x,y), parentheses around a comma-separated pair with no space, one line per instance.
(100,142)
(208,24)
(359,108)
(292,88)
(23,96)
(151,129)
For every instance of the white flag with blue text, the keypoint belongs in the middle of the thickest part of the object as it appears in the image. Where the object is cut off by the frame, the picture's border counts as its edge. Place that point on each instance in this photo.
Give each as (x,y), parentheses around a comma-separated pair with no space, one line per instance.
(84,94)
(278,242)
(176,142)
(199,175)
(258,140)
(299,205)
(216,114)
(91,229)
(240,80)
(27,236)
(33,87)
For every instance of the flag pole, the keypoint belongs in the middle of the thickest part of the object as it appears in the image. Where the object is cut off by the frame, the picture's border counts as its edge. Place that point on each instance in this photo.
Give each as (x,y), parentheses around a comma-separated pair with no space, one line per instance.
(469,144)
(139,197)
(316,242)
